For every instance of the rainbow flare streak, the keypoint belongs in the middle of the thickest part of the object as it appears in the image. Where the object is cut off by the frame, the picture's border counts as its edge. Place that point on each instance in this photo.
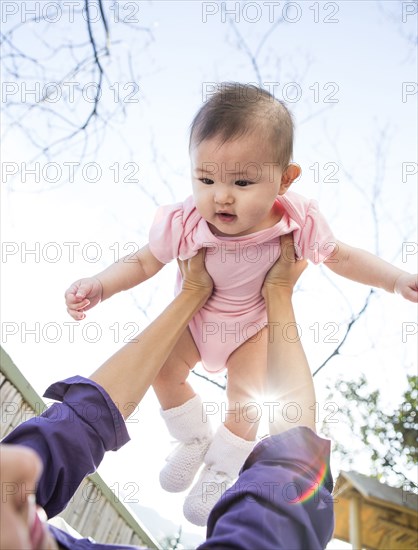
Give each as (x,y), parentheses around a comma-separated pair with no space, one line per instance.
(310,492)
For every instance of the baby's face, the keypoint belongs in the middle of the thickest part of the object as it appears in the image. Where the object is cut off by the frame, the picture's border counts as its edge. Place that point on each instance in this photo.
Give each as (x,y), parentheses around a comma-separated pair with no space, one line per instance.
(235,184)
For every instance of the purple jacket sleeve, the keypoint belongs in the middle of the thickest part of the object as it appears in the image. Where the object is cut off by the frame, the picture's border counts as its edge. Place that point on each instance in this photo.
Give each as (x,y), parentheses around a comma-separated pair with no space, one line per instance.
(67,541)
(282,499)
(71,438)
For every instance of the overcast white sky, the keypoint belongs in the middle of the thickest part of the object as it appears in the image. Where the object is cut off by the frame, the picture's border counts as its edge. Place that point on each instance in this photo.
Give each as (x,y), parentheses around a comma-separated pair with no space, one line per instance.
(348,72)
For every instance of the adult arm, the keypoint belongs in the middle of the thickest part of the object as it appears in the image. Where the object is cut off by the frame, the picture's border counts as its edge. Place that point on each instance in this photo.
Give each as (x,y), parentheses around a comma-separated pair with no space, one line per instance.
(290,391)
(282,498)
(71,437)
(128,374)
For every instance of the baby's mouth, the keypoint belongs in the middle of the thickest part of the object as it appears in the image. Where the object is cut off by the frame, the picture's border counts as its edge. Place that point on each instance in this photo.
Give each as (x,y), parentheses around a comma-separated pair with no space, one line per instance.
(225,217)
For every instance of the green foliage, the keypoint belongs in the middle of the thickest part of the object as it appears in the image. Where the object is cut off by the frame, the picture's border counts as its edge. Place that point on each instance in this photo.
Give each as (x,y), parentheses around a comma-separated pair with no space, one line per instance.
(388,439)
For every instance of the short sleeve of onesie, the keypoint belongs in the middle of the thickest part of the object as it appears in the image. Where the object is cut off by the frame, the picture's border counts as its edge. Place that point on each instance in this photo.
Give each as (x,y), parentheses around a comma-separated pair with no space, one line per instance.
(313,237)
(176,232)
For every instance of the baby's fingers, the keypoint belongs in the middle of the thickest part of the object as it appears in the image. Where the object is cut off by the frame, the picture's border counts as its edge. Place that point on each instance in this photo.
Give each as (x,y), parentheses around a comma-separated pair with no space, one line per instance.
(81,305)
(71,294)
(77,311)
(76,315)
(76,308)
(410,294)
(72,300)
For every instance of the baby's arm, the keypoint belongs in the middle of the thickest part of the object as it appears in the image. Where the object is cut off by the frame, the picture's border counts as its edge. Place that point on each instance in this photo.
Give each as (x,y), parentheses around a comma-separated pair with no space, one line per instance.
(361,266)
(127,272)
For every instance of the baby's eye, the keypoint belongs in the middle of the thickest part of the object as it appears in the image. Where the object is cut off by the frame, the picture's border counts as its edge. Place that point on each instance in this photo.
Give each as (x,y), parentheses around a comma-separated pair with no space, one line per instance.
(242,183)
(206,181)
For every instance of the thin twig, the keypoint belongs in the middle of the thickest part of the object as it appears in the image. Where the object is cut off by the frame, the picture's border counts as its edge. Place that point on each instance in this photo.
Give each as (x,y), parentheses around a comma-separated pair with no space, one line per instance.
(222,387)
(348,329)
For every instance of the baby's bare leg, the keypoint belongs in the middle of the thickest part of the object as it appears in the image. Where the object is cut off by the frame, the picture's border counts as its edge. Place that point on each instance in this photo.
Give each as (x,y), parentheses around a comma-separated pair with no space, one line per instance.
(235,439)
(170,384)
(182,413)
(247,368)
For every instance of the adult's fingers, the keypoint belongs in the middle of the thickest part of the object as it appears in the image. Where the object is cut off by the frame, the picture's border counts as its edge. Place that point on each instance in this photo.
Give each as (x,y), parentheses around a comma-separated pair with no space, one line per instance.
(287,245)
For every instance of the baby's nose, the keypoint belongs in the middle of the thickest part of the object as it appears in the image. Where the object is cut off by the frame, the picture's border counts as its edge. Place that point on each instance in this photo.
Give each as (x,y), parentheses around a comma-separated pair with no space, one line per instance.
(222,196)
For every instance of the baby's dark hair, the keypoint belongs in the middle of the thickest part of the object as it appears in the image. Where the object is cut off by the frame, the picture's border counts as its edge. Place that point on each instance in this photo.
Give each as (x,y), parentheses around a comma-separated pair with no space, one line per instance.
(236,109)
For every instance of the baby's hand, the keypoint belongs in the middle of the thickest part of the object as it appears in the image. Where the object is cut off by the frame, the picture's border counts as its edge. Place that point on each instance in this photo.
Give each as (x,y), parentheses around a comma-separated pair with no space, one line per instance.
(407,286)
(82,296)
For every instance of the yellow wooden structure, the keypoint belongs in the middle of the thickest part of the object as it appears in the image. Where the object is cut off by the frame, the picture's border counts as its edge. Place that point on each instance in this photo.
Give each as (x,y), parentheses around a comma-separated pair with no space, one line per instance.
(374,516)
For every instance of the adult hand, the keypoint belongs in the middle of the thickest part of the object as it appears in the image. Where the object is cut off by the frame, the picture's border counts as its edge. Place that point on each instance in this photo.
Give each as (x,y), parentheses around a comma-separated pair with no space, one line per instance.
(20,525)
(195,276)
(287,269)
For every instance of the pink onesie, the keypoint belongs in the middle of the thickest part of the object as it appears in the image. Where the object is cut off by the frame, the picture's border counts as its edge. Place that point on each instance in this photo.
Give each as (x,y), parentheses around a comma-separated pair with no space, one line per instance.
(238,265)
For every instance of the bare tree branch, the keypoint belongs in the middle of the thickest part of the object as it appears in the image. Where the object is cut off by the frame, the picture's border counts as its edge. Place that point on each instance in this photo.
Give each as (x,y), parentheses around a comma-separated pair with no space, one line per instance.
(25,71)
(347,331)
(96,59)
(253,58)
(221,386)
(242,45)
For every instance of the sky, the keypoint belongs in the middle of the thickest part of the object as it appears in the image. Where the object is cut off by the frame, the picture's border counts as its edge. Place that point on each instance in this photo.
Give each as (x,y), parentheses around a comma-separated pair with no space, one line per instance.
(347,71)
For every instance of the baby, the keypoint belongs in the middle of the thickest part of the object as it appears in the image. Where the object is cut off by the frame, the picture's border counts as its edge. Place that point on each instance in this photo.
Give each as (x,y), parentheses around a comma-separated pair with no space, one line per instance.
(240,147)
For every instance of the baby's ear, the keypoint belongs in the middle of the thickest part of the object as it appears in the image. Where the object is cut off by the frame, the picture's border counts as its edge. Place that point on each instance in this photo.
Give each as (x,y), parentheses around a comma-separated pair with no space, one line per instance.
(290,174)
